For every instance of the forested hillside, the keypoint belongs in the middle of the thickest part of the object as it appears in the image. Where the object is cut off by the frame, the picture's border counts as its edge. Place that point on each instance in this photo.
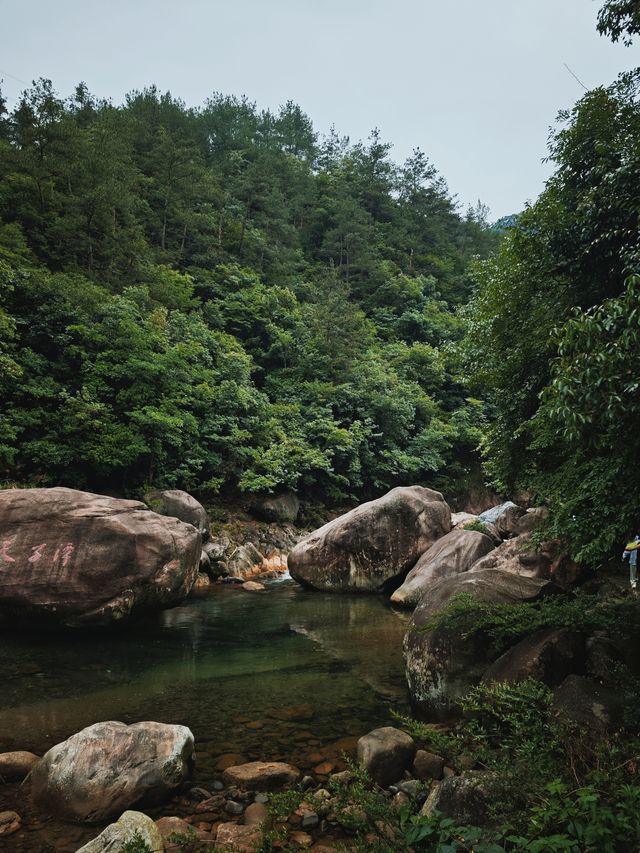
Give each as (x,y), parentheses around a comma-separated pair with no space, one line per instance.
(219,299)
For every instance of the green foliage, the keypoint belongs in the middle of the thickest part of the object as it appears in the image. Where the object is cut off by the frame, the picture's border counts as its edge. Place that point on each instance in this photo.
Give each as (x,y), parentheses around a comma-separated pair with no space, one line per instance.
(553,327)
(213,299)
(505,624)
(476,525)
(136,844)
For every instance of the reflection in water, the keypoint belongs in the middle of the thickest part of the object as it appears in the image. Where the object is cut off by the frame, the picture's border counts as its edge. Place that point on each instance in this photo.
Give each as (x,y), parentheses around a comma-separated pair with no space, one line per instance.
(213,664)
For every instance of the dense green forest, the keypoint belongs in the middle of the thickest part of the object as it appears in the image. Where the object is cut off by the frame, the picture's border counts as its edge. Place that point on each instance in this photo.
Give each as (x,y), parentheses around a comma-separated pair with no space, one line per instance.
(217,299)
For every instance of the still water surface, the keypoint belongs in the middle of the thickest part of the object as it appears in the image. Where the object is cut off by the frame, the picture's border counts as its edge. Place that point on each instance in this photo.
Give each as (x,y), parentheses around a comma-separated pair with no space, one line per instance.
(225,664)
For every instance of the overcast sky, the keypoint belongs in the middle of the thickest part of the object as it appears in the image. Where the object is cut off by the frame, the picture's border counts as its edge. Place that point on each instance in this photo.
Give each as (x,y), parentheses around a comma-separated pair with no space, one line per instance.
(475,84)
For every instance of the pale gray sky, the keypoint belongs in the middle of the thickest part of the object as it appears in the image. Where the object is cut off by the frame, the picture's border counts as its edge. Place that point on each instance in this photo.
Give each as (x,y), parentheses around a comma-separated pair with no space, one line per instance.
(474,83)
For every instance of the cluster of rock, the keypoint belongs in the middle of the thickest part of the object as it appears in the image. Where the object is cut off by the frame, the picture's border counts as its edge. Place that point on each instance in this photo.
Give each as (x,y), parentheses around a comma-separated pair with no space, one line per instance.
(409,543)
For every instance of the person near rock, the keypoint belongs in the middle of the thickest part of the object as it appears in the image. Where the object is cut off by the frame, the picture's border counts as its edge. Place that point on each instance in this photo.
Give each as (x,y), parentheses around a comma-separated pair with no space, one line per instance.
(631,553)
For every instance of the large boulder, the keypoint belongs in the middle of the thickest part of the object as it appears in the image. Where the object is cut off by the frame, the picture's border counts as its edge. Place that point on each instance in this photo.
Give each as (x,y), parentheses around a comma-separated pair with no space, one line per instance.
(505,517)
(109,767)
(180,505)
(372,547)
(549,560)
(385,754)
(444,660)
(76,558)
(454,553)
(129,827)
(280,508)
(549,655)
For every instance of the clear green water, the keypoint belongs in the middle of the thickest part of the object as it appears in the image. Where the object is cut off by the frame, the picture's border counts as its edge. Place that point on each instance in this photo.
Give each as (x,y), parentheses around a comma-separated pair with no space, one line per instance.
(224,664)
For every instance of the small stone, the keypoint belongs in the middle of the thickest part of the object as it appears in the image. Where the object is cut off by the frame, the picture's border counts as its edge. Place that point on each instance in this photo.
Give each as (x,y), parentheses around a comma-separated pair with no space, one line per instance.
(345,777)
(448,772)
(385,753)
(177,826)
(10,822)
(324,769)
(411,788)
(255,814)
(256,725)
(310,820)
(238,838)
(234,808)
(198,794)
(217,785)
(15,766)
(253,586)
(428,765)
(228,759)
(302,839)
(400,800)
(308,782)
(262,798)
(261,775)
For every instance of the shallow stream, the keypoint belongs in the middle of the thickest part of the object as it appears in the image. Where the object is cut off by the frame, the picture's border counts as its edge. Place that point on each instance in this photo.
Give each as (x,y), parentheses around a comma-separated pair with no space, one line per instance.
(281,674)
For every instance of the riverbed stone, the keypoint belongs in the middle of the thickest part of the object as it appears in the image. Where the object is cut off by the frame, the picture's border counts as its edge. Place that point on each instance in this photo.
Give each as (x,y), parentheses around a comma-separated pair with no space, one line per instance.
(261,775)
(385,753)
(10,822)
(129,826)
(253,586)
(77,558)
(372,547)
(180,505)
(452,554)
(15,766)
(445,661)
(172,825)
(109,767)
(238,838)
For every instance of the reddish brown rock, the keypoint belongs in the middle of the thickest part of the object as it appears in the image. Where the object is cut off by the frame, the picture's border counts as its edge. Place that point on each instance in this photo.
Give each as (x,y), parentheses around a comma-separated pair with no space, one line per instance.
(109,767)
(255,814)
(261,775)
(175,826)
(454,553)
(15,766)
(76,558)
(253,586)
(10,822)
(229,759)
(372,547)
(427,765)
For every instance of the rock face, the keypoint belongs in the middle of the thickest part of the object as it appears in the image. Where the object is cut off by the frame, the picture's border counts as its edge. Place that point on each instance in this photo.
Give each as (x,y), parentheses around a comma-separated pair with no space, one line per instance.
(261,775)
(372,547)
(385,753)
(549,561)
(505,517)
(74,558)
(549,655)
(129,826)
(454,553)
(443,663)
(109,767)
(280,508)
(180,505)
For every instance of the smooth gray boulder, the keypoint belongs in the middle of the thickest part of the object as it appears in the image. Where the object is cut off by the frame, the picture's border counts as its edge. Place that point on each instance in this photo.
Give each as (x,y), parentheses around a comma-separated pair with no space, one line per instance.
(454,553)
(109,767)
(180,505)
(444,661)
(372,547)
(385,753)
(75,558)
(129,827)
